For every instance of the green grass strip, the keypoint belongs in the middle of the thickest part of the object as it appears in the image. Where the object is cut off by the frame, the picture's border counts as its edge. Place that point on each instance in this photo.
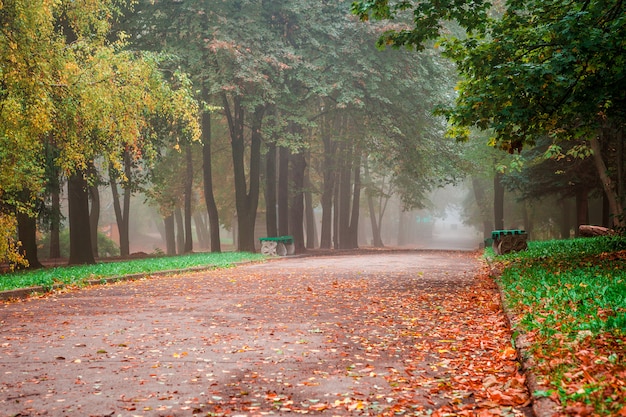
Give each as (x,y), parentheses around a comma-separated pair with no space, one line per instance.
(570,297)
(80,274)
(568,285)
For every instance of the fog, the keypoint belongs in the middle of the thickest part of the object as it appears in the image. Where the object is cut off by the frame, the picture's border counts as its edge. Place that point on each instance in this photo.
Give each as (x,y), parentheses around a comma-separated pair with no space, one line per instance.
(450,233)
(439,226)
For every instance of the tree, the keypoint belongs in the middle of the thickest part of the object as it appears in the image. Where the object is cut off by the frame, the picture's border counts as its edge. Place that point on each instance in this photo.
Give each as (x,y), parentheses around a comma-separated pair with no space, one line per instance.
(166,191)
(379,190)
(538,67)
(66,63)
(549,170)
(233,61)
(26,38)
(209,195)
(280,72)
(129,88)
(366,104)
(176,127)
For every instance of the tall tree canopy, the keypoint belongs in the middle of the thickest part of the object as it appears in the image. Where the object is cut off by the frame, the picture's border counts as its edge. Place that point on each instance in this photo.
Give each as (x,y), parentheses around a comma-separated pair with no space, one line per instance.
(279,72)
(26,35)
(528,68)
(68,84)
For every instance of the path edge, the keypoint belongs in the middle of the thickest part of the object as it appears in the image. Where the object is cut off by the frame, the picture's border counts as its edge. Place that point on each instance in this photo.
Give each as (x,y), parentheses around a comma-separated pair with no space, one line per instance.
(39,290)
(542,406)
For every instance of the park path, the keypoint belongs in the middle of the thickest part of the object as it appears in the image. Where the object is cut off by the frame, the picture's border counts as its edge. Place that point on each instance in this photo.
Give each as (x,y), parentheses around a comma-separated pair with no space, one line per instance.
(388,333)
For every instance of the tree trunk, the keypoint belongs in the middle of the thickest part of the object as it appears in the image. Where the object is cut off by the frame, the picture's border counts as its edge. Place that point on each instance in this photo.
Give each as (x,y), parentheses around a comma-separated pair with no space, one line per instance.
(55,221)
(582,208)
(246,200)
(255,176)
(587,230)
(209,196)
(498,201)
(271,224)
(345,194)
(480,197)
(78,206)
(327,211)
(122,209)
(311,227)
(383,202)
(53,174)
(328,187)
(377,240)
(336,210)
(283,191)
(353,228)
(188,198)
(27,235)
(298,166)
(94,217)
(180,231)
(403,237)
(615,204)
(328,191)
(170,235)
(201,230)
(119,217)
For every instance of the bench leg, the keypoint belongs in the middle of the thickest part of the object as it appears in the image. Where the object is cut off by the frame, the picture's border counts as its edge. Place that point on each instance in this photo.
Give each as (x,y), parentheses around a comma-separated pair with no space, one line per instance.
(521,243)
(495,245)
(512,243)
(506,245)
(281,250)
(268,248)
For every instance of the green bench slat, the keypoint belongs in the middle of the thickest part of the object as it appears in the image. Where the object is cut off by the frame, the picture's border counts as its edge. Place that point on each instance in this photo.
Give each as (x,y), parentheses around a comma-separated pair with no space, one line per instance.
(282,239)
(497,234)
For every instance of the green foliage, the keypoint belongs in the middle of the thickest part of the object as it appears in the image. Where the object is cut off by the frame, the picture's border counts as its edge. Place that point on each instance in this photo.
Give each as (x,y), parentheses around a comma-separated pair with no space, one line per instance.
(538,67)
(25,111)
(551,170)
(79,275)
(427,18)
(542,68)
(311,63)
(567,250)
(528,69)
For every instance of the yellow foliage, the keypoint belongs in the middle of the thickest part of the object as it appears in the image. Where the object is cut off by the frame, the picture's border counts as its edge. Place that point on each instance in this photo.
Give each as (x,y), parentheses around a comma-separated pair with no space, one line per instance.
(8,244)
(89,98)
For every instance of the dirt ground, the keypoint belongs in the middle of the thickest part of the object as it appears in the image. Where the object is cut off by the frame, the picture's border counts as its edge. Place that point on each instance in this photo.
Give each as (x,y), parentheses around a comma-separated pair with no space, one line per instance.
(387,333)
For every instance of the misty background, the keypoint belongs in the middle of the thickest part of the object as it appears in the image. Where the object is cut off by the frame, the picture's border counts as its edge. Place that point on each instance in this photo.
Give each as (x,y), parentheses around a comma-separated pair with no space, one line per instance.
(169,127)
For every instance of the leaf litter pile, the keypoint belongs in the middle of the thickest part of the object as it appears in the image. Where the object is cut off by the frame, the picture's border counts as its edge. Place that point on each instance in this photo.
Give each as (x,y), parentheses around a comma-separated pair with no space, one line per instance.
(414,334)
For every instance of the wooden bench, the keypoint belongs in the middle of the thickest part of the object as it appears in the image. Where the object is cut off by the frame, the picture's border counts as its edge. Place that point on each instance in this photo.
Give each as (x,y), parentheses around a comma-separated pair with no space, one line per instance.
(507,241)
(277,246)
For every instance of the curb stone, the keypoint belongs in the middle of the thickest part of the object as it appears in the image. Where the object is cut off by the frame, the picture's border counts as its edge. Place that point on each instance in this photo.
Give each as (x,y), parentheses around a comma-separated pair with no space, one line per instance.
(542,406)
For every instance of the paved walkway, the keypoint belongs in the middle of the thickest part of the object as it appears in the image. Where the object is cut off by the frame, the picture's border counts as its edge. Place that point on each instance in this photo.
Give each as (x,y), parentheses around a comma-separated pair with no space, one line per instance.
(410,333)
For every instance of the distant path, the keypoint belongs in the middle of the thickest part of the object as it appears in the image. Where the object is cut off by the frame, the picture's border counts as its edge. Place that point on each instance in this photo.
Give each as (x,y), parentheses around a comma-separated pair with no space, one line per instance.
(347,335)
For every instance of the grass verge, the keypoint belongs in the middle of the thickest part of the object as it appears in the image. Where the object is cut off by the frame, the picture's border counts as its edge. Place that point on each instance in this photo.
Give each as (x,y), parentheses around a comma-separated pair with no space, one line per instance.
(569,300)
(81,274)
